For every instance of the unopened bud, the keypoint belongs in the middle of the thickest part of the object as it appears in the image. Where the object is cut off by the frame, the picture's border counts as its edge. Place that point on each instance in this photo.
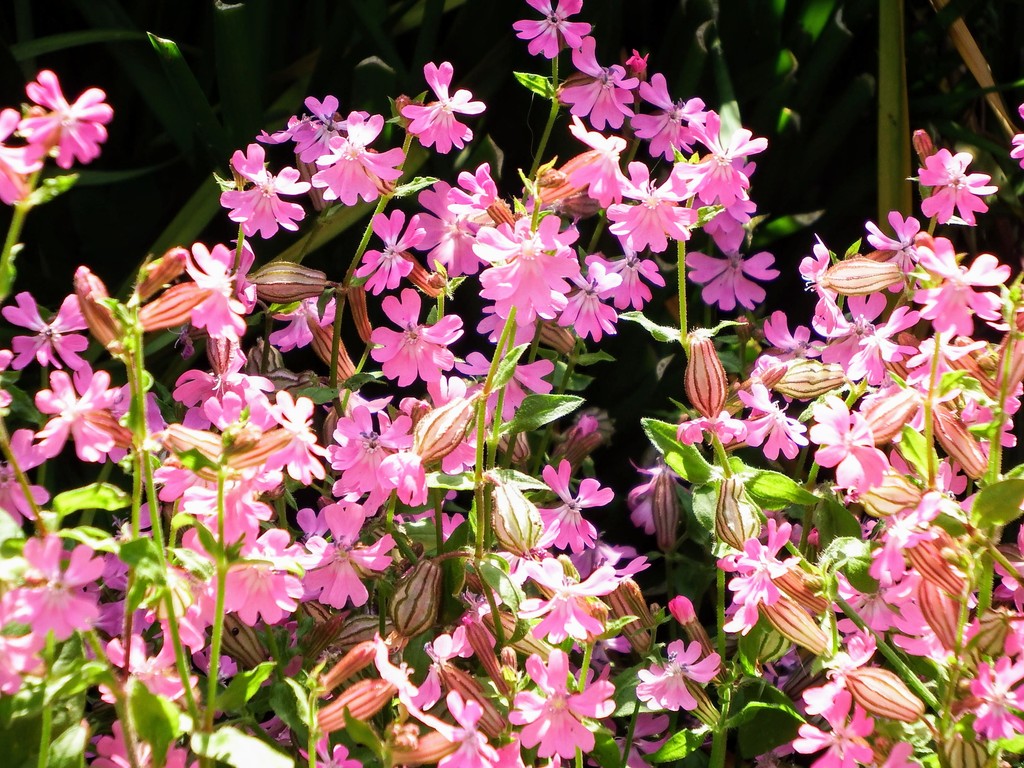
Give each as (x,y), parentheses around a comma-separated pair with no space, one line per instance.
(882,693)
(160,272)
(962,751)
(500,213)
(991,630)
(923,145)
(928,558)
(482,642)
(172,307)
(358,629)
(557,338)
(363,699)
(421,278)
(986,370)
(886,416)
(809,379)
(682,610)
(442,430)
(417,599)
(704,711)
(859,276)
(737,520)
(802,587)
(895,494)
(704,380)
(628,600)
(520,447)
(591,430)
(222,354)
(361,318)
(282,282)
(428,749)
(959,443)
(356,660)
(526,645)
(102,324)
(552,192)
(665,509)
(940,611)
(516,521)
(242,643)
(460,681)
(794,623)
(322,342)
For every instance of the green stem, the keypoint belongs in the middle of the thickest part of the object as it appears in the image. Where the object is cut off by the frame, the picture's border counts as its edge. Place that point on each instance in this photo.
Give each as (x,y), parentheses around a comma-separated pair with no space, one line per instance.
(721,733)
(628,745)
(218,612)
(21,210)
(681,277)
(929,406)
(552,115)
(46,727)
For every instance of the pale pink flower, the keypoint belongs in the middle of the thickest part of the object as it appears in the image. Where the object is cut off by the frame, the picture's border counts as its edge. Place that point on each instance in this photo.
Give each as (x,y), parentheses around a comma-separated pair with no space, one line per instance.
(81,408)
(845,744)
(657,217)
(605,94)
(728,429)
(476,192)
(301,457)
(793,345)
(664,686)
(902,246)
(727,281)
(261,585)
(55,341)
(565,613)
(631,292)
(111,752)
(668,130)
(554,719)
(724,175)
(994,688)
(297,332)
(860,346)
(417,350)
(158,672)
(847,444)
(361,447)
(311,133)
(547,35)
(385,269)
(16,163)
(585,312)
(18,653)
(403,472)
(351,170)
(565,525)
(770,425)
(474,750)
(435,124)
(528,377)
(260,208)
(601,173)
(448,236)
(221,313)
(952,187)
(755,568)
(75,130)
(13,500)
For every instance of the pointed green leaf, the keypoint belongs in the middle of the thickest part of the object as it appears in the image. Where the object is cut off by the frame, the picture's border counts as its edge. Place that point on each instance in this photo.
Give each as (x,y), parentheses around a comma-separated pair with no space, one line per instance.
(774,490)
(999,503)
(537,410)
(685,460)
(238,749)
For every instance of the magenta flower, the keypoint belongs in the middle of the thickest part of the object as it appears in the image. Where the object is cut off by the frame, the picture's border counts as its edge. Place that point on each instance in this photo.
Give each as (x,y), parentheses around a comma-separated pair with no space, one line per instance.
(447,235)
(221,313)
(259,208)
(631,292)
(16,163)
(724,175)
(994,689)
(666,130)
(403,472)
(361,447)
(755,568)
(601,173)
(565,613)
(845,744)
(585,311)
(261,585)
(476,192)
(547,35)
(727,281)
(55,341)
(1017,153)
(665,687)
(565,525)
(793,345)
(81,408)
(554,719)
(435,124)
(605,93)
(474,750)
(13,499)
(75,130)
(952,187)
(847,444)
(301,457)
(417,350)
(350,170)
(385,269)
(770,425)
(862,347)
(902,246)
(656,218)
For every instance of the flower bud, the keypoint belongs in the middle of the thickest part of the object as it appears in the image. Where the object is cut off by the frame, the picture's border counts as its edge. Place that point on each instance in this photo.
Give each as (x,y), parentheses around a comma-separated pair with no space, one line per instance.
(979,365)
(357,306)
(592,429)
(859,276)
(704,380)
(102,324)
(516,521)
(991,630)
(322,342)
(429,749)
(557,338)
(363,699)
(421,278)
(482,642)
(794,623)
(520,447)
(798,584)
(242,643)
(665,509)
(627,600)
(282,282)
(940,611)
(172,307)
(682,610)
(895,494)
(460,681)
(500,213)
(160,272)
(959,443)
(704,711)
(556,186)
(808,379)
(527,644)
(356,660)
(442,430)
(737,520)
(358,629)
(882,693)
(923,145)
(417,599)
(961,752)
(928,558)
(886,416)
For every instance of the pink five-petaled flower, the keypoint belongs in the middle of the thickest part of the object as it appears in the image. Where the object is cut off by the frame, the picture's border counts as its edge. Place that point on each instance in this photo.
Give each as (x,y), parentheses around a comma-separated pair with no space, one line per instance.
(665,686)
(1017,153)
(993,687)
(474,750)
(565,525)
(220,313)
(54,341)
(727,281)
(601,173)
(845,745)
(553,719)
(949,306)
(631,292)
(260,585)
(434,124)
(658,216)
(902,247)
(585,311)
(81,408)
(724,175)
(15,499)
(259,208)
(770,425)
(604,93)
(350,170)
(546,35)
(847,444)
(566,613)
(755,569)
(416,350)
(385,269)
(301,457)
(76,130)
(665,130)
(16,163)
(952,187)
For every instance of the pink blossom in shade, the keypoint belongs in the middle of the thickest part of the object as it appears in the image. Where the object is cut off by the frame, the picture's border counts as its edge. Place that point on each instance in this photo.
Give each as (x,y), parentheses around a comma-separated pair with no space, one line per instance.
(158,672)
(728,429)
(794,345)
(862,347)
(54,596)
(75,130)
(435,124)
(769,424)
(417,350)
(18,654)
(528,270)
(1017,153)
(728,281)
(845,745)
(604,93)
(474,750)
(656,218)
(336,757)
(755,568)
(336,569)
(949,306)
(80,406)
(111,752)
(403,472)
(902,245)
(243,512)
(552,720)
(385,269)
(565,613)
(631,292)
(198,389)
(640,499)
(260,209)
(476,192)
(260,585)
(585,312)
(362,446)
(528,377)
(664,686)
(601,173)
(406,691)
(903,530)
(297,333)
(54,341)
(952,187)
(668,130)
(547,35)
(302,455)
(724,175)
(447,236)
(221,313)
(16,163)
(847,444)
(311,133)
(13,499)
(565,526)
(351,170)
(993,687)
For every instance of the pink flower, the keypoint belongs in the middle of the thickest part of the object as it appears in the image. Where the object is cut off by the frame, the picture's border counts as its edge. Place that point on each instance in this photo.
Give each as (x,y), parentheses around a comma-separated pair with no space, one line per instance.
(13,499)
(417,350)
(301,455)
(793,345)
(847,444)
(724,175)
(260,585)
(435,123)
(631,292)
(54,340)
(403,472)
(554,720)
(994,688)
(215,271)
(259,208)
(861,346)
(665,686)
(658,216)
(311,134)
(547,35)
(665,130)
(76,130)
(727,281)
(350,170)
(158,673)
(362,447)
(756,567)
(845,745)
(16,163)
(385,269)
(601,173)
(770,425)
(474,750)
(902,246)
(565,525)
(605,93)
(584,311)
(953,187)
(447,235)
(565,613)
(81,409)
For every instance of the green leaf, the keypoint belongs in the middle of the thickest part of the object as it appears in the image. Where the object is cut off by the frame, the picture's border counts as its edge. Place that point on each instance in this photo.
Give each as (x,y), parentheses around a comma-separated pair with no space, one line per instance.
(606,750)
(143,555)
(243,686)
(68,749)
(362,733)
(774,490)
(912,447)
(685,460)
(194,460)
(523,481)
(51,188)
(500,582)
(289,702)
(155,719)
(835,520)
(463,482)
(95,496)
(537,410)
(239,750)
(414,186)
(319,395)
(998,504)
(507,366)
(659,332)
(679,745)
(29,49)
(589,358)
(537,84)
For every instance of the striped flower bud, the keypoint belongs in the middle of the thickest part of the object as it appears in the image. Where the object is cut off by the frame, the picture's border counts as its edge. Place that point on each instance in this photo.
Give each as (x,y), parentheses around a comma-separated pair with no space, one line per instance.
(991,630)
(242,643)
(959,443)
(940,611)
(427,749)
(704,380)
(798,584)
(160,272)
(417,599)
(628,600)
(928,558)
(282,282)
(322,341)
(482,642)
(91,292)
(454,679)
(554,186)
(516,521)
(960,752)
(520,447)
(980,367)
(356,660)
(357,306)
(682,610)
(358,629)
(421,278)
(737,520)
(557,338)
(795,624)
(895,494)
(808,379)
(363,699)
(705,711)
(859,276)
(442,430)
(665,509)
(886,416)
(923,145)
(172,307)
(500,213)
(882,693)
